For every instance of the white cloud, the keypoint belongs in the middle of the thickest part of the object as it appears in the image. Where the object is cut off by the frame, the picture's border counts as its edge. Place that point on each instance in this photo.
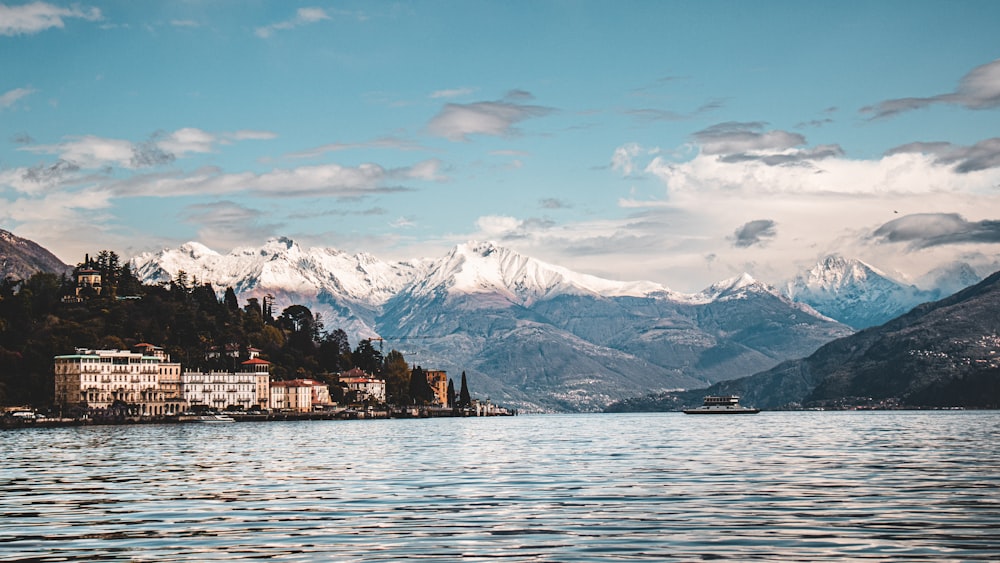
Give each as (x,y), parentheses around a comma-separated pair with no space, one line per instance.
(330,180)
(89,151)
(35,17)
(456,122)
(188,140)
(302,17)
(453,93)
(496,226)
(9,98)
(717,217)
(622,160)
(93,152)
(738,137)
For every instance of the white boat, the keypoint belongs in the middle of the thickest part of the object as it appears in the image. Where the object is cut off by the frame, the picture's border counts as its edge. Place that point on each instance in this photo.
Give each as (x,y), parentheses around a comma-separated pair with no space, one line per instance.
(721,404)
(208,418)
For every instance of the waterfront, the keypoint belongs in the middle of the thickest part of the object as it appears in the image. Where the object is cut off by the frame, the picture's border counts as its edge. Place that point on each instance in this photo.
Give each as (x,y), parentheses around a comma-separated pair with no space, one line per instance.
(897,485)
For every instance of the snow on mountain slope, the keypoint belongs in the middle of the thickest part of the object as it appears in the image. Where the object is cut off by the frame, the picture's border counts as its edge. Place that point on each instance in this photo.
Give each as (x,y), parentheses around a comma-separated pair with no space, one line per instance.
(282,264)
(484,267)
(346,289)
(853,292)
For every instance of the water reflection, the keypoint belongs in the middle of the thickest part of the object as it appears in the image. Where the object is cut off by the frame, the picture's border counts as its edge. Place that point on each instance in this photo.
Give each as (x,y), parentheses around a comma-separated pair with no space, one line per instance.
(807,486)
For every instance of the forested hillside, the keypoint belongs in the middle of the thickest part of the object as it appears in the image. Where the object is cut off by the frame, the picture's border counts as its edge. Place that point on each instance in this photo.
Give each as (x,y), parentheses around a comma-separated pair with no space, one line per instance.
(184,316)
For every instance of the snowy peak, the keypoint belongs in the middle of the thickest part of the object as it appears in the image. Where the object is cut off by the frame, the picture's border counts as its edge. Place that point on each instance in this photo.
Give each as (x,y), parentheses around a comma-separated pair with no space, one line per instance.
(281,266)
(485,267)
(733,288)
(835,273)
(853,292)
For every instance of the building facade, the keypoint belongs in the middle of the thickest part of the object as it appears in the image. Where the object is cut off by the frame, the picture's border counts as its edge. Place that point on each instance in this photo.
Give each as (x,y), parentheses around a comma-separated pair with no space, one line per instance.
(299,395)
(364,385)
(219,390)
(438,380)
(98,379)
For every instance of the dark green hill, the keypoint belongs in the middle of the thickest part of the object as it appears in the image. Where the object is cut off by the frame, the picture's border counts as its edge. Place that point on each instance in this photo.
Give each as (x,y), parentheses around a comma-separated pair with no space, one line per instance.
(940,354)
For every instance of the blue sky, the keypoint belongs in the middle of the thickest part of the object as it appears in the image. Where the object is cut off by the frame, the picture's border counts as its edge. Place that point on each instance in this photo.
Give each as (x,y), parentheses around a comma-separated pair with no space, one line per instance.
(681,142)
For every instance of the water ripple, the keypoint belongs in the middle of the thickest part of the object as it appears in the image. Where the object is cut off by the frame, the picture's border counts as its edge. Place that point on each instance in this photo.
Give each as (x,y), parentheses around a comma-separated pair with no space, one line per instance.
(657,487)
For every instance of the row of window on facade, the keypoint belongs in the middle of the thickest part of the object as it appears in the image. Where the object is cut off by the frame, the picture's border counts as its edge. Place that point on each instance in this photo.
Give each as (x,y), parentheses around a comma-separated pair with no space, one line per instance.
(170,390)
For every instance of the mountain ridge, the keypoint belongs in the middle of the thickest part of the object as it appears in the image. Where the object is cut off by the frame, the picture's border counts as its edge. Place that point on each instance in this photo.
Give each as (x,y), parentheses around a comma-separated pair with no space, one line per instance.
(533,333)
(944,353)
(20,258)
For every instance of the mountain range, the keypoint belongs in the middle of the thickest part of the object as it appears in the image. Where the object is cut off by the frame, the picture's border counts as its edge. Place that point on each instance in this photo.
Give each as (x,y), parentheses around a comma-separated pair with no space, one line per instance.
(940,354)
(539,336)
(531,334)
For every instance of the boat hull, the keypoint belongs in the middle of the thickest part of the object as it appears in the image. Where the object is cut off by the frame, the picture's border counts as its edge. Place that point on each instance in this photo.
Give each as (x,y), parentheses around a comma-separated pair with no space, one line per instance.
(721,411)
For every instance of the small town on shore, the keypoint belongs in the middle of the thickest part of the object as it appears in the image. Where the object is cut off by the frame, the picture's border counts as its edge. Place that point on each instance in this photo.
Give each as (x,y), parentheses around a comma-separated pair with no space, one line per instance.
(141,384)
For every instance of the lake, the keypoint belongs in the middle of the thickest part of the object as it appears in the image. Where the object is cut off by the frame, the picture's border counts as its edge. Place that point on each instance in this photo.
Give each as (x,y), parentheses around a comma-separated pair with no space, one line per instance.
(809,486)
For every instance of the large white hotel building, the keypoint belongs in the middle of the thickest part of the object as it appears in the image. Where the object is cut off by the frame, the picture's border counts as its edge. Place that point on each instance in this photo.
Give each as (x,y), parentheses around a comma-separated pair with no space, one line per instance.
(146,378)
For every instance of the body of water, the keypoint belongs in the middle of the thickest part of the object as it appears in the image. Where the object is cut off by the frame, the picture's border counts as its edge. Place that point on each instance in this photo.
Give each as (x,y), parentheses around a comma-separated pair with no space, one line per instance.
(802,486)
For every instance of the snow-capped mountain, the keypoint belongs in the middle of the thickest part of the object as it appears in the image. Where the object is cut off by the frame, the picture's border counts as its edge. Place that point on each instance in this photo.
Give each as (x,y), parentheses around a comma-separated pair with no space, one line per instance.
(530,334)
(854,293)
(346,289)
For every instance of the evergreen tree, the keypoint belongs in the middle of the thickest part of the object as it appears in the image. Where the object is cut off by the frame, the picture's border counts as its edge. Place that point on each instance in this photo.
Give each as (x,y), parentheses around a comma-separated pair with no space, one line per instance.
(420,391)
(230,300)
(451,393)
(464,399)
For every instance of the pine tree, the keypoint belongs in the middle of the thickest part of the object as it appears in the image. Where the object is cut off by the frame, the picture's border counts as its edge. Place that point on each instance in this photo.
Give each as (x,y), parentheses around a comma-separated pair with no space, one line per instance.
(464,399)
(230,300)
(451,393)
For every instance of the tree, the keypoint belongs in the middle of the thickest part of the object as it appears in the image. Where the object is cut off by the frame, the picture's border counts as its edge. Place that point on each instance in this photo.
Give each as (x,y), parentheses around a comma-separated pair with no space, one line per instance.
(128,283)
(420,390)
(180,282)
(109,265)
(451,393)
(333,349)
(299,322)
(464,399)
(397,379)
(230,300)
(367,358)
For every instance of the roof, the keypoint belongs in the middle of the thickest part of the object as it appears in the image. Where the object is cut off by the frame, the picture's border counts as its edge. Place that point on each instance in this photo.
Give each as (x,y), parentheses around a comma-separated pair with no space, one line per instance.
(257,362)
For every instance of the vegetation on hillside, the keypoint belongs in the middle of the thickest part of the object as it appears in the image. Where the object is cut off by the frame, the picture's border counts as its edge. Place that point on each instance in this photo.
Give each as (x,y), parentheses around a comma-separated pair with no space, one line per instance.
(185,317)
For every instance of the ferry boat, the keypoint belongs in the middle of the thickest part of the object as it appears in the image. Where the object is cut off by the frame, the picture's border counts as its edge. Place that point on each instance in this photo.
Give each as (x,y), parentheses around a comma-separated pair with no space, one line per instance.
(207,418)
(722,404)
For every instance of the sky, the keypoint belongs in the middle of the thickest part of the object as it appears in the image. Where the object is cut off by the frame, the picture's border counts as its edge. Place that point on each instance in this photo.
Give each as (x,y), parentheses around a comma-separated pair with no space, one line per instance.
(677,142)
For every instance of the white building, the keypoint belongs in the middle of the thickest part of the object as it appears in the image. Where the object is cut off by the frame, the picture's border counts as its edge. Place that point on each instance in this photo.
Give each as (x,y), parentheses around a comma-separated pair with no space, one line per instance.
(299,395)
(365,385)
(96,379)
(221,390)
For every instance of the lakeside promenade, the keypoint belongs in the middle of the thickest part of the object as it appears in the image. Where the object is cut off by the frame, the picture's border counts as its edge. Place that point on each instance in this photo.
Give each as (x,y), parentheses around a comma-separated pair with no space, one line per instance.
(333,414)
